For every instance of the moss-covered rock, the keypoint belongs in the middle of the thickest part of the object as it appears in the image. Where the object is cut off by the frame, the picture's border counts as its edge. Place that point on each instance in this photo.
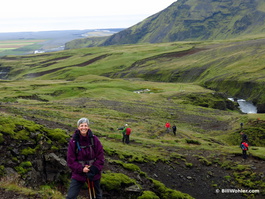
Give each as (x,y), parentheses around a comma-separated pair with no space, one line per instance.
(2,170)
(58,135)
(116,181)
(24,167)
(23,146)
(28,151)
(165,193)
(148,195)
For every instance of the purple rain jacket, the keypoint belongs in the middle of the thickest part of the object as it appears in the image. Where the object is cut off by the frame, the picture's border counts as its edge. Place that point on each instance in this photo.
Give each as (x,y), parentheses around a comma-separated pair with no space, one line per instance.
(77,160)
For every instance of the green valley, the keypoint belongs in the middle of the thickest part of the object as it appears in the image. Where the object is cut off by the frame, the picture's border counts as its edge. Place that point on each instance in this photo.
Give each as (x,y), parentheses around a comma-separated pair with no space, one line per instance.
(145,86)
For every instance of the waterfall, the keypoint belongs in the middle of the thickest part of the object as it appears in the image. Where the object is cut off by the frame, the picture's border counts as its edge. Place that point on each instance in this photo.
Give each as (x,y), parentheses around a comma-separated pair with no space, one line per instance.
(245,106)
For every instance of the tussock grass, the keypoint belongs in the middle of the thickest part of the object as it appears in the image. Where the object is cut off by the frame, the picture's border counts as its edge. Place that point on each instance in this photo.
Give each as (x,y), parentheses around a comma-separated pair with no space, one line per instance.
(13,184)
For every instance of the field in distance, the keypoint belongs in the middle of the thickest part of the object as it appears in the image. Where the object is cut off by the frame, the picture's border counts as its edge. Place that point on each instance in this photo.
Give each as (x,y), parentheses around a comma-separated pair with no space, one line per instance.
(14,44)
(19,47)
(20,43)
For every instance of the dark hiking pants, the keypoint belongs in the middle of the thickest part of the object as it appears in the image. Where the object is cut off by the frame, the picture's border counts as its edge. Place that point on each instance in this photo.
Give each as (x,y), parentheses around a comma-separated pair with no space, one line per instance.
(75,187)
(244,153)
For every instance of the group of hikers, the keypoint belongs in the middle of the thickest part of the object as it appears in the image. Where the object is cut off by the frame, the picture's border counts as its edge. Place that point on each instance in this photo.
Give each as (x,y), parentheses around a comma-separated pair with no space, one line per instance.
(243,144)
(126,132)
(85,157)
(168,127)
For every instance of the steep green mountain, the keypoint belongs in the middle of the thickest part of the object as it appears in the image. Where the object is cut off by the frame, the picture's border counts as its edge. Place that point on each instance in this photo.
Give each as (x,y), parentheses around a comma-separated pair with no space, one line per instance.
(197,20)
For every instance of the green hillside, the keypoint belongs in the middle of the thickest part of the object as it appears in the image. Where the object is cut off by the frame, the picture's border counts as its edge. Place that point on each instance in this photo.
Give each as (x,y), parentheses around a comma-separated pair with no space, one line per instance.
(145,86)
(234,67)
(190,20)
(187,20)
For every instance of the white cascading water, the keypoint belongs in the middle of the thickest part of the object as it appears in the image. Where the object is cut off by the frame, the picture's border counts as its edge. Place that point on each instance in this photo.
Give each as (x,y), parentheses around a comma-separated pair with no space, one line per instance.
(245,107)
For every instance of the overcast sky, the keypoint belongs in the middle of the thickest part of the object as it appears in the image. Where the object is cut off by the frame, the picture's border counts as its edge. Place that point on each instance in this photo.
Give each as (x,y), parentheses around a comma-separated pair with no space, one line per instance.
(41,15)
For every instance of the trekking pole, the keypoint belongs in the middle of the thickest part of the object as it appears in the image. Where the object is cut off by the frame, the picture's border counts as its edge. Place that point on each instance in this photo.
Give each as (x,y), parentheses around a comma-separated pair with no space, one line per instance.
(93,189)
(89,190)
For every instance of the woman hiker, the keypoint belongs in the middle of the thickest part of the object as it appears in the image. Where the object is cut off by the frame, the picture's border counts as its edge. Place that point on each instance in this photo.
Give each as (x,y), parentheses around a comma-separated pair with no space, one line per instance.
(85,157)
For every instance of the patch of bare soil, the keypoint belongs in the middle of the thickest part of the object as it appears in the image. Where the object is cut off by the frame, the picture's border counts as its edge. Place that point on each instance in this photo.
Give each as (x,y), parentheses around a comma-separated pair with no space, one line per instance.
(201,181)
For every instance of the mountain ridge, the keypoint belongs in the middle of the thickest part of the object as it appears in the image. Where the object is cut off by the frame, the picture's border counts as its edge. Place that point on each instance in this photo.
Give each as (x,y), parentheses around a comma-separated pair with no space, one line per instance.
(191,20)
(196,20)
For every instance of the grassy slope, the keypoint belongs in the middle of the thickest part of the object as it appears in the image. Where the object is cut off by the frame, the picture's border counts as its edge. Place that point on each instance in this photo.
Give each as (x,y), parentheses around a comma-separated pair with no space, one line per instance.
(216,64)
(74,74)
(65,86)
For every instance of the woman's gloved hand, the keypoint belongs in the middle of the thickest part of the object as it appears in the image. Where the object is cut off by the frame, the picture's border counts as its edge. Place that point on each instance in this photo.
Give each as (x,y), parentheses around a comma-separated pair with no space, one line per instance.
(93,171)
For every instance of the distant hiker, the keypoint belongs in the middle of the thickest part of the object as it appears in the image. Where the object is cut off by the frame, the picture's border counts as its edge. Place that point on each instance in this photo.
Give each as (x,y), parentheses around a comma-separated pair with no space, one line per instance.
(128,131)
(244,147)
(174,129)
(85,157)
(244,137)
(241,125)
(167,125)
(123,131)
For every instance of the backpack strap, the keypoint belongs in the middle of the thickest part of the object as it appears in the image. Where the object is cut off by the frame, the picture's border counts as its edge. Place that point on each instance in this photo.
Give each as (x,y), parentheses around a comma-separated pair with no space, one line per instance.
(76,138)
(77,141)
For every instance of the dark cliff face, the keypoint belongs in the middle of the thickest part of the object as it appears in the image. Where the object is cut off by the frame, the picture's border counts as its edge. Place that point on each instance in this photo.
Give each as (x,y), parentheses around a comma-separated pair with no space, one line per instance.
(33,155)
(196,20)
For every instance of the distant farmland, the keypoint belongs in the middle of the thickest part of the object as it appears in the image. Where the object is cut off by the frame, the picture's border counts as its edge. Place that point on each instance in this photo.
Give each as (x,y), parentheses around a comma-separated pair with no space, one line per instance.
(20,46)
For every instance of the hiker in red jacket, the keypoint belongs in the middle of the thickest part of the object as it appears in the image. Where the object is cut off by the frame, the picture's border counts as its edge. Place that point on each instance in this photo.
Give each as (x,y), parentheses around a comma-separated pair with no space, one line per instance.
(85,157)
(244,147)
(128,131)
(167,125)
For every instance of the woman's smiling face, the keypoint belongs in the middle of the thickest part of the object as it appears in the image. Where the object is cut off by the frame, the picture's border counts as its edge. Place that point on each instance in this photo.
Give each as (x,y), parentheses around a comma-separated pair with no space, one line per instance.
(83,128)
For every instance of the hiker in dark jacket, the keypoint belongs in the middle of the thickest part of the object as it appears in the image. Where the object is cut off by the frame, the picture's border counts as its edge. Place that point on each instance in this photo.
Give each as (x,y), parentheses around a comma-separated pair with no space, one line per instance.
(123,131)
(85,157)
(174,129)
(244,137)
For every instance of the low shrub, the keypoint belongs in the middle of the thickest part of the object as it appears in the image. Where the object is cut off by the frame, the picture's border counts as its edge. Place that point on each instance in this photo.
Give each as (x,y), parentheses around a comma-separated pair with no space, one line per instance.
(189,141)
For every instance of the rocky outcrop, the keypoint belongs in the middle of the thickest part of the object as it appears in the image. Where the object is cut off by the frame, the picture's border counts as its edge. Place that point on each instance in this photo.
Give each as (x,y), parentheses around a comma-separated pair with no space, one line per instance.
(36,159)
